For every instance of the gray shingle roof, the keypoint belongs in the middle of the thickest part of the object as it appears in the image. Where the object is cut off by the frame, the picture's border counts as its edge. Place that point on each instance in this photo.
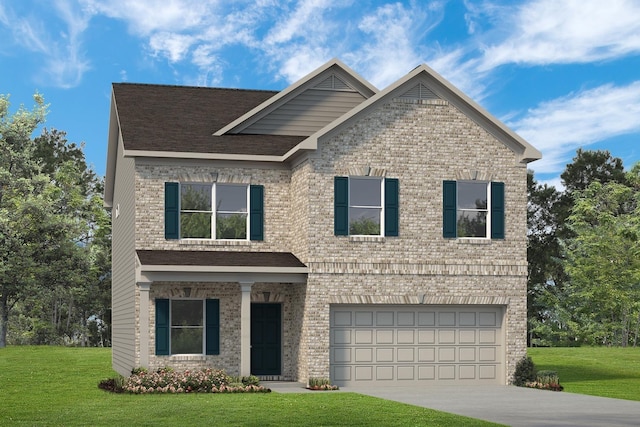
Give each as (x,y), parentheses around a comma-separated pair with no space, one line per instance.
(183,119)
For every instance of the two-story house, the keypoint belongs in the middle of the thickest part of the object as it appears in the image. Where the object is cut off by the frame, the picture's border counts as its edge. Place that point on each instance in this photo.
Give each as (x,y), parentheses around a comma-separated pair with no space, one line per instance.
(327,230)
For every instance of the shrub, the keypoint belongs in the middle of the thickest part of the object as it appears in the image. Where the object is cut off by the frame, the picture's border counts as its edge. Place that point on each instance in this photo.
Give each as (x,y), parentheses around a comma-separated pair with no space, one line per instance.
(114,385)
(321,384)
(525,372)
(166,380)
(546,380)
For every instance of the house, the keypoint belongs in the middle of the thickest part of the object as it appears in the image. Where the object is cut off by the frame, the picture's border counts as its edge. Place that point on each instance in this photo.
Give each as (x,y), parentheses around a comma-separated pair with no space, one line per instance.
(328,230)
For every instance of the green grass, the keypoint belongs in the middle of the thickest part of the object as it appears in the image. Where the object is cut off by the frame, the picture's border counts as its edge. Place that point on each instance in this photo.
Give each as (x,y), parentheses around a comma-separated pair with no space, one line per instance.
(51,386)
(598,371)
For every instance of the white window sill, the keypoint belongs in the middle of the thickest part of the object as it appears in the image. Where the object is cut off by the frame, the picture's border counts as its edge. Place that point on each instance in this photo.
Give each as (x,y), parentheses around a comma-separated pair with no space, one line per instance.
(473,241)
(210,242)
(366,238)
(187,357)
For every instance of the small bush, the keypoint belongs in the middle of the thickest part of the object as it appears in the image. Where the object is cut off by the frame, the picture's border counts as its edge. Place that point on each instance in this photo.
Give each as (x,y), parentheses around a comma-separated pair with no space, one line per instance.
(546,380)
(321,384)
(114,385)
(525,372)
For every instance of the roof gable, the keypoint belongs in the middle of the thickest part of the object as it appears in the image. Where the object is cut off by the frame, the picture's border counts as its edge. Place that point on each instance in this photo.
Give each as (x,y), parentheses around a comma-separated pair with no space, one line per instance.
(307,105)
(425,85)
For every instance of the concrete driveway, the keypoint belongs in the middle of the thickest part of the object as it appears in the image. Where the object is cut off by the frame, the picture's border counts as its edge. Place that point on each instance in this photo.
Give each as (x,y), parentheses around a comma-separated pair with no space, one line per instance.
(514,406)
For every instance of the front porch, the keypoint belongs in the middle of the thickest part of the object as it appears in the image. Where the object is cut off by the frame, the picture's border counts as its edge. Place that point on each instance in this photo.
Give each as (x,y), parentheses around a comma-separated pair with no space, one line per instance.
(249,322)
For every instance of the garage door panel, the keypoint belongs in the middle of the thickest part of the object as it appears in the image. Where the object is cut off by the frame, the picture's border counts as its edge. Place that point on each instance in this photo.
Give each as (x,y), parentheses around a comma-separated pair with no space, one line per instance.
(426,336)
(364,318)
(467,336)
(364,355)
(487,372)
(467,372)
(467,354)
(384,318)
(488,336)
(446,318)
(427,318)
(384,355)
(426,354)
(406,355)
(341,336)
(341,355)
(446,336)
(406,336)
(342,318)
(406,319)
(364,336)
(416,344)
(467,319)
(384,336)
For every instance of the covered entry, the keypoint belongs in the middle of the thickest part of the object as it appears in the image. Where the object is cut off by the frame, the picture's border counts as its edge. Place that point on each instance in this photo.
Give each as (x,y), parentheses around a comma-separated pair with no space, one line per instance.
(416,344)
(266,342)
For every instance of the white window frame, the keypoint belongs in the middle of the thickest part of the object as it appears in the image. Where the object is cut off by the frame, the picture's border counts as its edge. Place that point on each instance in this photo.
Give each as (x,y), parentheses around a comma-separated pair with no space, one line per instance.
(213,210)
(381,207)
(487,210)
(204,326)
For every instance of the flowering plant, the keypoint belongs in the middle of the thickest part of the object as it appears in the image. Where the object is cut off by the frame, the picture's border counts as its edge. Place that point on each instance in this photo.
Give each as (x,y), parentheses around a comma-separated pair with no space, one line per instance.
(199,381)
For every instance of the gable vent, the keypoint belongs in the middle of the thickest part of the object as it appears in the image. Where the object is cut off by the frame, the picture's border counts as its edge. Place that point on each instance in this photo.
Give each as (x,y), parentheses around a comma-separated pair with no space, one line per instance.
(419,91)
(333,83)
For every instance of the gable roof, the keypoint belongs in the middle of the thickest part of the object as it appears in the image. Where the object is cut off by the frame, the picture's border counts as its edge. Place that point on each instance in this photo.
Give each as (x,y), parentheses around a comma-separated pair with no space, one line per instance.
(333,76)
(430,86)
(152,119)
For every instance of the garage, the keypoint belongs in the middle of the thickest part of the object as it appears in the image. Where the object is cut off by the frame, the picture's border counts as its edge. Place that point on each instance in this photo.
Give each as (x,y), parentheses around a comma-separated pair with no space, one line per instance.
(413,344)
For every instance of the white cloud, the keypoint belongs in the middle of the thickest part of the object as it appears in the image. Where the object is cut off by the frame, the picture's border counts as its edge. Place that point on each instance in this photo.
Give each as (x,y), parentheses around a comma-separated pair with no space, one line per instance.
(171,45)
(62,53)
(393,35)
(568,31)
(560,126)
(145,17)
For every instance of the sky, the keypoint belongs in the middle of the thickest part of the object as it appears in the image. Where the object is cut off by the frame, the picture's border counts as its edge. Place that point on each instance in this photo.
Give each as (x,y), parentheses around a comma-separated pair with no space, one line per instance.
(562,74)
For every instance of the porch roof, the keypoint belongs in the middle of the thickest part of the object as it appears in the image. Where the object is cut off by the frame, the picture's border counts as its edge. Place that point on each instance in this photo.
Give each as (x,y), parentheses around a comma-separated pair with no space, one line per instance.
(219,266)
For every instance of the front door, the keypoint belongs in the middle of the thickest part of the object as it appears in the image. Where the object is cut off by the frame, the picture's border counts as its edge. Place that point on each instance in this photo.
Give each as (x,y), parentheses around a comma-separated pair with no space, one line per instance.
(266,348)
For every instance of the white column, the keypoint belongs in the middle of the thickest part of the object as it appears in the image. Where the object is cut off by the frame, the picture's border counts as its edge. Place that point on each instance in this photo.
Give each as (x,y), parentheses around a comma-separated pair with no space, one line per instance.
(245,329)
(144,323)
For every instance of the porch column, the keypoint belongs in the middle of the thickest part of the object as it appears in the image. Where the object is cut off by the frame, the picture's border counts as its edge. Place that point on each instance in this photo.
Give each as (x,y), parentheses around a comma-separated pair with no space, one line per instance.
(245,329)
(144,323)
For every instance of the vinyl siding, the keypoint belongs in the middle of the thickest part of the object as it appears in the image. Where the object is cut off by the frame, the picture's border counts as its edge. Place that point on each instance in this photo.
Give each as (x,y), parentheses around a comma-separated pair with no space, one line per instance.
(306,113)
(123,267)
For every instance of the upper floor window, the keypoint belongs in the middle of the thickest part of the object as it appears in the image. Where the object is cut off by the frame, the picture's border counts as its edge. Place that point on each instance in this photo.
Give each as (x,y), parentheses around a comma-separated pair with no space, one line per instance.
(365,206)
(228,214)
(213,211)
(473,209)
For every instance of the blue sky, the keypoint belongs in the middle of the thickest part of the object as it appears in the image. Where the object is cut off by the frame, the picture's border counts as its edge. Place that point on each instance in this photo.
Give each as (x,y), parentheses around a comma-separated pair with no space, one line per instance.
(563,74)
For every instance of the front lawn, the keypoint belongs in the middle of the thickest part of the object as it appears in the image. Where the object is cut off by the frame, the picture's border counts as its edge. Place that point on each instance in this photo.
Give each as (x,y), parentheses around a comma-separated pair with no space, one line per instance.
(59,386)
(598,371)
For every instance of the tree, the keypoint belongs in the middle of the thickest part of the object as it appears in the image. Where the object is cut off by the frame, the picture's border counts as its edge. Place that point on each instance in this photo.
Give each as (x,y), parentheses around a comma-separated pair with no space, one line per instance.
(603,261)
(51,222)
(551,320)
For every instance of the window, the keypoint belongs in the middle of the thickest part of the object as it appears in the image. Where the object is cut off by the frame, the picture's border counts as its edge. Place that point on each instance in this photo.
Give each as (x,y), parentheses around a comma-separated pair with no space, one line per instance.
(187,326)
(213,211)
(365,206)
(473,209)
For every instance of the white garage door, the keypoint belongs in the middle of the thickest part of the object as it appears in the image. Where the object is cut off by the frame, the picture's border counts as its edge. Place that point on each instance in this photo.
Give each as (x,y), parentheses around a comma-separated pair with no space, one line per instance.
(416,344)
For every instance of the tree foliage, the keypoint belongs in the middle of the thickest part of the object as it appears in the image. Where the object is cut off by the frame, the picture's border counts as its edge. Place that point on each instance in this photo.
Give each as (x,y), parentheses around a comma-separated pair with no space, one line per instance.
(52,232)
(583,255)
